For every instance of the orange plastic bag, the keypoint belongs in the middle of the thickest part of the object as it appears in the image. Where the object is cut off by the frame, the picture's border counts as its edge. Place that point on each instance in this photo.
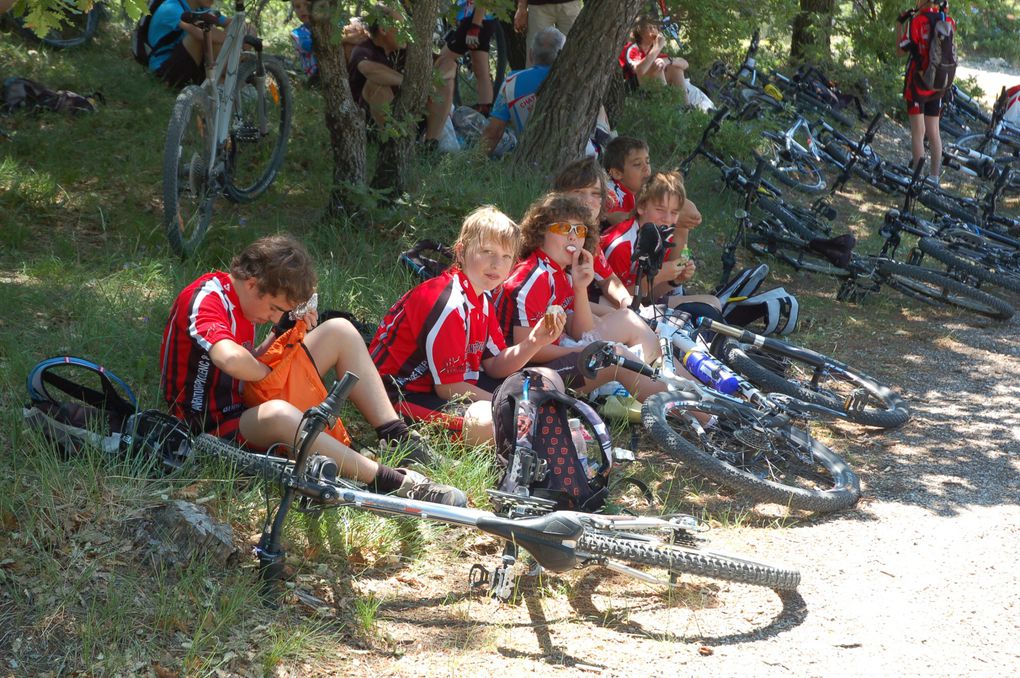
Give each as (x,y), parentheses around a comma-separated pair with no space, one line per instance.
(294,378)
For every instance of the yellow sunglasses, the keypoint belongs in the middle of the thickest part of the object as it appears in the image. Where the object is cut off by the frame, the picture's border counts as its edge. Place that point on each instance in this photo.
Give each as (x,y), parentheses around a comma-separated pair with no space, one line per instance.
(566,228)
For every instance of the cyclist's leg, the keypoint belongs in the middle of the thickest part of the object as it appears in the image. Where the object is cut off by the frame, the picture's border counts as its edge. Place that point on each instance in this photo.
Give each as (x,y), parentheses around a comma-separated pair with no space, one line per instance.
(566,14)
(483,77)
(277,421)
(627,327)
(439,105)
(932,112)
(916,134)
(337,344)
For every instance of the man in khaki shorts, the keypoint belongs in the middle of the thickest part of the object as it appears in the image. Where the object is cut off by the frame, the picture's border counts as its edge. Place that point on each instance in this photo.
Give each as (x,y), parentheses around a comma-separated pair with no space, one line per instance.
(534,15)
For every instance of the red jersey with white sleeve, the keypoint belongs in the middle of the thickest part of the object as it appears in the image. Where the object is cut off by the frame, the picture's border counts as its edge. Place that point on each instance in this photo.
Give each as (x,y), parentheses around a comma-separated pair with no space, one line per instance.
(619,197)
(535,284)
(438,333)
(205,312)
(601,265)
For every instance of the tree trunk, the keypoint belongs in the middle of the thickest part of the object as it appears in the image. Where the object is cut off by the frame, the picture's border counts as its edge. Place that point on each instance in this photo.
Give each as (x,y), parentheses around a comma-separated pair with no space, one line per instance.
(345,120)
(812,30)
(566,107)
(409,104)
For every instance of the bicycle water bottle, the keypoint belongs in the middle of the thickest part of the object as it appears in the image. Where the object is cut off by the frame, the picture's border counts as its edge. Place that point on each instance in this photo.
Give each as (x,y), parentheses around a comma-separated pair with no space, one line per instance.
(577,434)
(705,367)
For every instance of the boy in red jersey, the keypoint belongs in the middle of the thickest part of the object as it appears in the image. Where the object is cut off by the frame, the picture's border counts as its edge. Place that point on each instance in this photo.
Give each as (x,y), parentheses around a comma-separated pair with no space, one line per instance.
(559,234)
(627,164)
(441,344)
(208,350)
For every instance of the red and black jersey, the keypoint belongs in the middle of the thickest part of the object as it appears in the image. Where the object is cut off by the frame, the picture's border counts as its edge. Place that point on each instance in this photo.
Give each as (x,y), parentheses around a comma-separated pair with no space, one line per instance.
(535,284)
(620,197)
(916,39)
(196,391)
(438,333)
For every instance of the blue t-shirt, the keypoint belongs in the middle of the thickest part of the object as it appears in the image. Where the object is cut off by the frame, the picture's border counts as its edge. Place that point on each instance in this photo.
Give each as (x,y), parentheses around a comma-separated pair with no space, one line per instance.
(166,20)
(516,97)
(466,10)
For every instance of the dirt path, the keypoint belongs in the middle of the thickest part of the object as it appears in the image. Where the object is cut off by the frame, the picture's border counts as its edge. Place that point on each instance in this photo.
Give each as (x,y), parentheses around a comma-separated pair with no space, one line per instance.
(991,75)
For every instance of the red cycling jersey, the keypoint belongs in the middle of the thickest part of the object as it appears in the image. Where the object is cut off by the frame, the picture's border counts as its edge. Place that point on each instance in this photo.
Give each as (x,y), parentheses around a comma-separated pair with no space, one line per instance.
(620,197)
(535,284)
(438,333)
(196,391)
(618,244)
(915,39)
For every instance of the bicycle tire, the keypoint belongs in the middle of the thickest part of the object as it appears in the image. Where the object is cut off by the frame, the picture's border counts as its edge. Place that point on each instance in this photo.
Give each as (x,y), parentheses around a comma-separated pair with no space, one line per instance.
(806,99)
(254,159)
(794,168)
(188,192)
(942,205)
(677,559)
(937,288)
(80,29)
(744,452)
(838,155)
(464,90)
(793,254)
(797,222)
(817,378)
(979,142)
(972,261)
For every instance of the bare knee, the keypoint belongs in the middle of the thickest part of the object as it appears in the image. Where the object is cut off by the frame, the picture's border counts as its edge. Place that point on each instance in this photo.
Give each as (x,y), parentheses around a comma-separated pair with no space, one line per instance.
(478,429)
(274,421)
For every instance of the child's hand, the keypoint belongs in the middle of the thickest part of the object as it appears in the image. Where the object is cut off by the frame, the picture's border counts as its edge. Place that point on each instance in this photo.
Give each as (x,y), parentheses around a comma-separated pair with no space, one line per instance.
(582,270)
(686,270)
(549,328)
(690,216)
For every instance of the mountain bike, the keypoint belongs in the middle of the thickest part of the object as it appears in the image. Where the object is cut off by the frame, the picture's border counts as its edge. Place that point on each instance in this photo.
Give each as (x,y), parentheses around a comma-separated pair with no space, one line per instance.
(999,139)
(751,446)
(962,114)
(792,162)
(662,547)
(227,136)
(744,91)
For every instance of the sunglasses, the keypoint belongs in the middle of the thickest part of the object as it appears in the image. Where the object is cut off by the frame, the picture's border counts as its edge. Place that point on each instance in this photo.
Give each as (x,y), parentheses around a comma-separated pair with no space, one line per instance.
(566,228)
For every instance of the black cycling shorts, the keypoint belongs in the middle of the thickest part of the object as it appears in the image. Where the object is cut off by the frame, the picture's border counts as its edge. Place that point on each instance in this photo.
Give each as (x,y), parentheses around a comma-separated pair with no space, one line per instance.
(456,39)
(180,70)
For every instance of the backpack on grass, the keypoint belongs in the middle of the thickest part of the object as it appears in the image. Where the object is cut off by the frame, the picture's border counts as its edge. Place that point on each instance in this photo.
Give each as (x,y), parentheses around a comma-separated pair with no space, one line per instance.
(76,404)
(22,93)
(535,445)
(744,305)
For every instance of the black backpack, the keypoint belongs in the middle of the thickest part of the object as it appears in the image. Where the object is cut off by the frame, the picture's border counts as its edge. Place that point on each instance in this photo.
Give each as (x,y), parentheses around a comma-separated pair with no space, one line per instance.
(32,96)
(534,444)
(941,70)
(140,47)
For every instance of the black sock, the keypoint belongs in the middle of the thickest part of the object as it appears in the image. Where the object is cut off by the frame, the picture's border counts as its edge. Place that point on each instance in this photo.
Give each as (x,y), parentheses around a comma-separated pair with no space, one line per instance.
(387,480)
(394,430)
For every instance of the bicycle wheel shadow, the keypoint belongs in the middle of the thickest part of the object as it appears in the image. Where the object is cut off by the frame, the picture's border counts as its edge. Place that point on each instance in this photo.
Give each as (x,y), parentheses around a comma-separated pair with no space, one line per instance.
(689,597)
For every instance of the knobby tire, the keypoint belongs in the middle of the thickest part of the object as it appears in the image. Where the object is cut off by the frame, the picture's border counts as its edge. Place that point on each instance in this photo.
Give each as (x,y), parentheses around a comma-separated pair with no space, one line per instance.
(937,288)
(188,193)
(973,262)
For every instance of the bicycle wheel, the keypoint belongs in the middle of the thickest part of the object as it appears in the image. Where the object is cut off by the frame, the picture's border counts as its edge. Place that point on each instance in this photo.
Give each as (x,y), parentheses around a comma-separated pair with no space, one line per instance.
(979,142)
(188,187)
(817,378)
(987,263)
(792,167)
(801,223)
(804,99)
(76,28)
(254,156)
(465,89)
(943,205)
(745,450)
(937,288)
(793,254)
(677,559)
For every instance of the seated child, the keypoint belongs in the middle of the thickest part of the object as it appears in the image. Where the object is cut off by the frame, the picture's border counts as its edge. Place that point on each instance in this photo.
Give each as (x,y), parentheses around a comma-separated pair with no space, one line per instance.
(208,350)
(441,341)
(662,201)
(559,234)
(627,164)
(585,179)
(644,59)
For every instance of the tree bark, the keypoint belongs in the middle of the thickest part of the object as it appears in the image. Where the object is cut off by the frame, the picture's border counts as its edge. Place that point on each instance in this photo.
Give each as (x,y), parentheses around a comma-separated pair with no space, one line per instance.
(812,30)
(409,104)
(566,106)
(345,120)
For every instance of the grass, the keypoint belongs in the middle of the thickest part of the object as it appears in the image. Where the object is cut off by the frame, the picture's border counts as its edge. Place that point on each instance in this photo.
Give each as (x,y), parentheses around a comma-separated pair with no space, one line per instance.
(85,270)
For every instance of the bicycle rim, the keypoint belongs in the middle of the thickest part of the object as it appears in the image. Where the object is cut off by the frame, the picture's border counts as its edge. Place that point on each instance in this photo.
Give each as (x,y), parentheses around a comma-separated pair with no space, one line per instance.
(254,158)
(188,184)
(746,452)
(675,559)
(816,378)
(936,288)
(76,29)
(995,266)
(795,169)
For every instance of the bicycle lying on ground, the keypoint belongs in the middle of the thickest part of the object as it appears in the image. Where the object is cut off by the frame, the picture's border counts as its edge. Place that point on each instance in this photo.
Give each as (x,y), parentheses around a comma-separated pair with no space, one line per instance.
(557,540)
(227,136)
(76,27)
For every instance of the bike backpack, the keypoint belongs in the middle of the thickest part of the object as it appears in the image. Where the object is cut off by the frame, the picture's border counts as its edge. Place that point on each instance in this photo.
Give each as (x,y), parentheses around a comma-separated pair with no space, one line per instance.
(140,47)
(941,70)
(535,447)
(22,93)
(744,305)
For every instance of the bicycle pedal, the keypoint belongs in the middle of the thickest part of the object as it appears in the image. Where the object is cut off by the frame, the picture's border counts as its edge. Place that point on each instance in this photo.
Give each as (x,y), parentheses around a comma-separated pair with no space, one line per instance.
(246,133)
(478,576)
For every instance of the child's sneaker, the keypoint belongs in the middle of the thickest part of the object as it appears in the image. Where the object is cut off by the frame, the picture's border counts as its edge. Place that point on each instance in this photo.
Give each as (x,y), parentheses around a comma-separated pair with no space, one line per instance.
(418,487)
(621,408)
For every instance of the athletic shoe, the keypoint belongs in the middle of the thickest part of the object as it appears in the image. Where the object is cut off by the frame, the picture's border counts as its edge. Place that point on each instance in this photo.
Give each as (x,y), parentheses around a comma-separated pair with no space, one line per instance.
(413,449)
(621,409)
(418,487)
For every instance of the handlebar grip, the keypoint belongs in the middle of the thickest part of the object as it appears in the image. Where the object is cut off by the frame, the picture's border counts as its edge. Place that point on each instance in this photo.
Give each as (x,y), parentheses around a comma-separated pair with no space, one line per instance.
(338,393)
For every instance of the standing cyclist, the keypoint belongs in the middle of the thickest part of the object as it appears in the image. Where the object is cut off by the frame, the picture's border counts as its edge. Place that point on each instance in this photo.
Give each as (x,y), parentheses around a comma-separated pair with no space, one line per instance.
(924,107)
